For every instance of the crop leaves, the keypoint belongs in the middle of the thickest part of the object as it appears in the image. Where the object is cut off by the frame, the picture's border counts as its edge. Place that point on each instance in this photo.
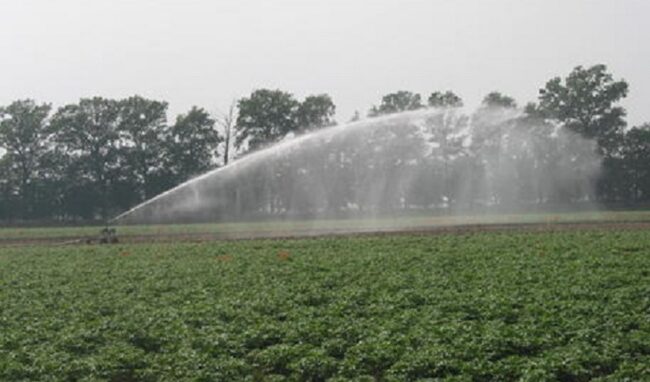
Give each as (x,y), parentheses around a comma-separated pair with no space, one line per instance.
(537,306)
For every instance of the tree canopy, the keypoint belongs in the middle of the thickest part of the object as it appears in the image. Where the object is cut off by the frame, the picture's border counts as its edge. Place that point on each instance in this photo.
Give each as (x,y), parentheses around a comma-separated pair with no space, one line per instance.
(93,158)
(191,144)
(586,102)
(496,99)
(445,100)
(397,102)
(24,136)
(266,116)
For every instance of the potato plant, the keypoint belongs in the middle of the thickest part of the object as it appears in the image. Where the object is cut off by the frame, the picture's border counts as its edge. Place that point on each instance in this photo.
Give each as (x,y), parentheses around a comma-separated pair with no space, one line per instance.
(569,306)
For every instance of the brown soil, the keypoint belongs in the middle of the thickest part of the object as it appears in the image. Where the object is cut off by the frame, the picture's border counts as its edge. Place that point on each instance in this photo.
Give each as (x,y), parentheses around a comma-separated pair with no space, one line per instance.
(296,234)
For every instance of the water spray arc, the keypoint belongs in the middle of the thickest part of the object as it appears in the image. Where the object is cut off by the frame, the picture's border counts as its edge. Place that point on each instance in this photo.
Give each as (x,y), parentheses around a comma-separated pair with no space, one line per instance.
(429,159)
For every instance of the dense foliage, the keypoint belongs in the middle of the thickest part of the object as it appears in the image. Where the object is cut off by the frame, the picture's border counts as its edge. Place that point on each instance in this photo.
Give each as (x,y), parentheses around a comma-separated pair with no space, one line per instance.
(534,307)
(95,158)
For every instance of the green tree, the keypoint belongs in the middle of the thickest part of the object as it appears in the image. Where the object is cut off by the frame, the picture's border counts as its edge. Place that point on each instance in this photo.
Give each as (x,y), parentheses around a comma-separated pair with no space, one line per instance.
(24,137)
(192,144)
(586,102)
(397,102)
(88,134)
(264,117)
(267,116)
(447,99)
(497,99)
(52,182)
(315,112)
(142,128)
(7,190)
(635,160)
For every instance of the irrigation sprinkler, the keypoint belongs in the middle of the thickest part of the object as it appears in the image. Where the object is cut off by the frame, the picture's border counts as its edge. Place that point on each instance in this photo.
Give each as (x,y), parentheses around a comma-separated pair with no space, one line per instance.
(108,235)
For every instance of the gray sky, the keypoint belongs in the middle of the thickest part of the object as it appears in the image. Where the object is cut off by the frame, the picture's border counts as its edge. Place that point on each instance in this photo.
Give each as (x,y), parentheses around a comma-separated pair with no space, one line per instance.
(208,52)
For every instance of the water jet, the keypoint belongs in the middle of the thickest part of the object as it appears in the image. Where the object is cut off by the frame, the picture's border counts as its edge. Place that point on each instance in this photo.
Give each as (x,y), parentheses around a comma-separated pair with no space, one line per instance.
(428,161)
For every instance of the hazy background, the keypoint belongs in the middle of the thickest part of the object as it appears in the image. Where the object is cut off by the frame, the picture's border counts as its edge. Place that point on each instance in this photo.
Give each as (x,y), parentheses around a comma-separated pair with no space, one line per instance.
(208,52)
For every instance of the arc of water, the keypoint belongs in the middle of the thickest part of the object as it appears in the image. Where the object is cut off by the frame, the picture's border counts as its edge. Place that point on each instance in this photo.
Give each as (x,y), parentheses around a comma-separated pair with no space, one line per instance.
(283,145)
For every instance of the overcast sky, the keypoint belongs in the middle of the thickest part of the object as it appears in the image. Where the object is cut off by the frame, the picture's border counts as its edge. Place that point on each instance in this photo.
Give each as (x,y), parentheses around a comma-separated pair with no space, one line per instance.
(209,52)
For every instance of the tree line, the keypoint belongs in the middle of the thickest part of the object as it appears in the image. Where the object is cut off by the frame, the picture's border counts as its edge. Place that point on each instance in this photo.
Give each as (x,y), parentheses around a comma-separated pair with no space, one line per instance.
(92,159)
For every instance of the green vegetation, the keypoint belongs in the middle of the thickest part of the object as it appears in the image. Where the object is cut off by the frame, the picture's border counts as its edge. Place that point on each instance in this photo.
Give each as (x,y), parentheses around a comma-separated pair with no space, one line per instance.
(90,160)
(562,306)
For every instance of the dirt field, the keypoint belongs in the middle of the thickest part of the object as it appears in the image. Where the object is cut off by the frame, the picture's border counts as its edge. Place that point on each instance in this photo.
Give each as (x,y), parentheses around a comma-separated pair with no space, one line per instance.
(198,235)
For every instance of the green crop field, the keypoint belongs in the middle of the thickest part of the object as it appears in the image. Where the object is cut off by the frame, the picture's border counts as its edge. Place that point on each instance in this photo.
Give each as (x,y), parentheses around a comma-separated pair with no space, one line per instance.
(567,306)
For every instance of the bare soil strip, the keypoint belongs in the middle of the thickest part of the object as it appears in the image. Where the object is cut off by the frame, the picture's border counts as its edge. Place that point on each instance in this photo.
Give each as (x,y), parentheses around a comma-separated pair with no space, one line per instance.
(329,232)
